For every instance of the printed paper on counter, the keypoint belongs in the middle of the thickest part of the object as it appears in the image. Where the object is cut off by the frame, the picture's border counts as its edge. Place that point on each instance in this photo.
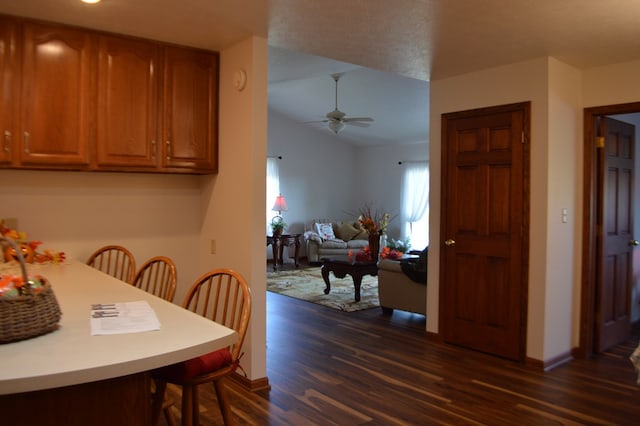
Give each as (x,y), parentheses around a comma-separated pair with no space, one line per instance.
(122,318)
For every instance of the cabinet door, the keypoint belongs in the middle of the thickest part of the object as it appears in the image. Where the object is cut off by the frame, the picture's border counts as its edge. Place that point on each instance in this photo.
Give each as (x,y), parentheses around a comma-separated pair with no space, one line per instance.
(56,95)
(190,118)
(127,98)
(8,83)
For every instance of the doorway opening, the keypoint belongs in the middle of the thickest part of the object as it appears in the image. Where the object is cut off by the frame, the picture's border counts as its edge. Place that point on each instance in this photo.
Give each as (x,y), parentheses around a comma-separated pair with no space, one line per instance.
(609,301)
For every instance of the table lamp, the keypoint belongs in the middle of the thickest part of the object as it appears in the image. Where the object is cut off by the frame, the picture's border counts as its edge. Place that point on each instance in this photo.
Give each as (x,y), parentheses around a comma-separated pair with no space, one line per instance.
(280,205)
(277,223)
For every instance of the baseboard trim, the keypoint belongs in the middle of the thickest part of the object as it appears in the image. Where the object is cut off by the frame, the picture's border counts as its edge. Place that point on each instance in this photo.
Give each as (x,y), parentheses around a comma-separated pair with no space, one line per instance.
(551,363)
(251,385)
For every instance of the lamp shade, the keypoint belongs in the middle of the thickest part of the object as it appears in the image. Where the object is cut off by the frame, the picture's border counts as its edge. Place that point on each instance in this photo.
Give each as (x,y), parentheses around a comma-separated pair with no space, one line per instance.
(280,205)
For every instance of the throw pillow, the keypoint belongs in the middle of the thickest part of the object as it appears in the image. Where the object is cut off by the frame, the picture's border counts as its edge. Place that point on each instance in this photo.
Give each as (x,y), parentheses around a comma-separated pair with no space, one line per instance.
(346,231)
(362,235)
(325,230)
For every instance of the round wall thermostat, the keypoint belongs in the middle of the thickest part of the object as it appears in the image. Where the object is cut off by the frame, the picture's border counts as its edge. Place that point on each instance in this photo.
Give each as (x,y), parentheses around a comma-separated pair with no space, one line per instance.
(240,79)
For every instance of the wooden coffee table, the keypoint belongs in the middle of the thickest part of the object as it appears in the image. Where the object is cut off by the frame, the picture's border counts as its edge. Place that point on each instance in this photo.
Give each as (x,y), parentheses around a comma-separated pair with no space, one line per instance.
(343,265)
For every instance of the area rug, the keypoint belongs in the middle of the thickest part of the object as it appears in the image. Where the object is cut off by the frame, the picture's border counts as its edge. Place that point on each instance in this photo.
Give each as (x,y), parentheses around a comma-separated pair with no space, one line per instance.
(307,284)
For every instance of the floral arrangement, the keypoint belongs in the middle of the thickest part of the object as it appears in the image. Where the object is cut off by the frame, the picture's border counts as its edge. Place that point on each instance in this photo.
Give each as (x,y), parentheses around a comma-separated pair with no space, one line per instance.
(29,249)
(373,220)
(14,286)
(402,245)
(388,253)
(363,255)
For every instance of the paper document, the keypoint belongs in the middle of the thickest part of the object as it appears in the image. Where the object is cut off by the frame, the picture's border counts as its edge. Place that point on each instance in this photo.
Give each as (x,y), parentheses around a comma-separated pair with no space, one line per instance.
(121,318)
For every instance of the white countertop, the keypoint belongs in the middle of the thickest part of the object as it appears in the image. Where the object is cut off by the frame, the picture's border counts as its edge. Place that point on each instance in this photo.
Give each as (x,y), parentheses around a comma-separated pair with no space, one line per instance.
(70,355)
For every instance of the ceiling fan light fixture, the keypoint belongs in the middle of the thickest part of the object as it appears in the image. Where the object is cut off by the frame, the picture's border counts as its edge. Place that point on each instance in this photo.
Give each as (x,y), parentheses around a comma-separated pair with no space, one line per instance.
(336,126)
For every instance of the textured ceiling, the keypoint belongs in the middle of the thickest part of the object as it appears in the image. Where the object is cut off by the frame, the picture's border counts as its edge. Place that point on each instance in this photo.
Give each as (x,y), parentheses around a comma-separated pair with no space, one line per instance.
(418,39)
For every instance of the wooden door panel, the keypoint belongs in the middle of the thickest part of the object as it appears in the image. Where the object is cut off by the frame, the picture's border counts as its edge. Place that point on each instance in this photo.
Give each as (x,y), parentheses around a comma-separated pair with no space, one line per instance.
(128,98)
(190,109)
(483,286)
(468,194)
(56,87)
(9,77)
(498,216)
(616,280)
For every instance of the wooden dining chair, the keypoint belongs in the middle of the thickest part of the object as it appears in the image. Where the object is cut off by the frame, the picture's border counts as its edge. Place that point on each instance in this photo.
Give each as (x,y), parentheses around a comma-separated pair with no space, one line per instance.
(157,276)
(223,296)
(114,260)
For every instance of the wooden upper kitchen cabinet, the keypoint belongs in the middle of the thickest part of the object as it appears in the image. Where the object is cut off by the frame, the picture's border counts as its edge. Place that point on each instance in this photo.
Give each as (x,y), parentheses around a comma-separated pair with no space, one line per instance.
(78,99)
(127,119)
(190,104)
(9,66)
(53,128)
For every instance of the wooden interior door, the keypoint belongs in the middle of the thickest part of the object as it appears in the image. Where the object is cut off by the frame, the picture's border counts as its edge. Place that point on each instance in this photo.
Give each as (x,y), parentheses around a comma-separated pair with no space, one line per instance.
(484,227)
(615,280)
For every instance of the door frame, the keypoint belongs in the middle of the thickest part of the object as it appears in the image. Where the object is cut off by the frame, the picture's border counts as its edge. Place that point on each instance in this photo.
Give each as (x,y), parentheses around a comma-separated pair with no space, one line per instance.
(589,223)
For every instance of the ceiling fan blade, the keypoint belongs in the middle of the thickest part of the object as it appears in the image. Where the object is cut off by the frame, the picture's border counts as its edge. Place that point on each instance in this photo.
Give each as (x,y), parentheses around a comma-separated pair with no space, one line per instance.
(349,119)
(319,121)
(357,123)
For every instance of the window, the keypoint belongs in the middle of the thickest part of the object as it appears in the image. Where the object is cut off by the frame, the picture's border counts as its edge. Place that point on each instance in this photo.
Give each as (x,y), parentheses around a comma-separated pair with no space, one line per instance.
(415,204)
(273,186)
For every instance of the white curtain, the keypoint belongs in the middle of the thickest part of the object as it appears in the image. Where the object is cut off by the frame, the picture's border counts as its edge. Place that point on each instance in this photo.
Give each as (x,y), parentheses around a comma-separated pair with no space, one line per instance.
(273,187)
(415,203)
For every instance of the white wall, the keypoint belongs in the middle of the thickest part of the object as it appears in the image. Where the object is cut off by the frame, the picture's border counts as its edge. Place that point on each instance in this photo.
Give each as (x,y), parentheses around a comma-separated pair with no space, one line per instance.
(382,176)
(611,84)
(77,212)
(170,215)
(565,183)
(558,94)
(525,81)
(322,176)
(316,171)
(233,200)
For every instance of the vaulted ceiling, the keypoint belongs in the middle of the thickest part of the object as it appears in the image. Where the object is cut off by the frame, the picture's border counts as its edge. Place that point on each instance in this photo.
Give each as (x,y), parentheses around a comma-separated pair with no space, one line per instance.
(387,50)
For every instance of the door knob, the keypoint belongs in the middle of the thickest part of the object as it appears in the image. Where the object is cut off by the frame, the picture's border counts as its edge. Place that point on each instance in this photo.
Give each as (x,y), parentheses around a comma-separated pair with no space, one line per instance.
(634,242)
(449,243)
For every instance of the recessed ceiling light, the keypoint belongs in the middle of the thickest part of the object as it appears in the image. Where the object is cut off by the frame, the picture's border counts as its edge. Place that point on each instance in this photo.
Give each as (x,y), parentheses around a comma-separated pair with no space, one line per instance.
(91,1)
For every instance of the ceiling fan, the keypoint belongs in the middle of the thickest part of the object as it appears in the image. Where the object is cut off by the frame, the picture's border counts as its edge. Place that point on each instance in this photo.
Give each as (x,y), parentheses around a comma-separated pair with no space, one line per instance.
(336,119)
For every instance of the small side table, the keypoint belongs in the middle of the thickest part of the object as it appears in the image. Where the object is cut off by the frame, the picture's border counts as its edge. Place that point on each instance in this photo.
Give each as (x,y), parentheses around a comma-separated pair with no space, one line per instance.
(277,244)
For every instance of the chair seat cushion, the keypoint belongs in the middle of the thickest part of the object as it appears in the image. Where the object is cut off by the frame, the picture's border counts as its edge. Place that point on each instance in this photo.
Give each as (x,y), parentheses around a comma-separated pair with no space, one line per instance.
(186,370)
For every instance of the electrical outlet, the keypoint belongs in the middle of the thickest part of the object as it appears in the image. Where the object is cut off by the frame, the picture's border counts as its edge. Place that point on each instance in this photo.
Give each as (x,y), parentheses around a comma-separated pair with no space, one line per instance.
(213,246)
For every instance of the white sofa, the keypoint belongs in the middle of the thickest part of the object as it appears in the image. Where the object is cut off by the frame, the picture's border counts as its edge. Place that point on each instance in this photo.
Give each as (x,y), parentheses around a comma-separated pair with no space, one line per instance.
(333,238)
(396,290)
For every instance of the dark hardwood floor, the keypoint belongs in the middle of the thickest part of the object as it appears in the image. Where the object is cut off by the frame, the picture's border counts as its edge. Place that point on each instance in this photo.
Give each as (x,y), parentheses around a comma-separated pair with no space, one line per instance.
(326,367)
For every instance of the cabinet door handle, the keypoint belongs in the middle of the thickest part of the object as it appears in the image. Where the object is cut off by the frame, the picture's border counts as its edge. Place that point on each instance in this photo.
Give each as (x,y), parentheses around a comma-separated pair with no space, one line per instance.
(26,142)
(153,149)
(168,142)
(7,141)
